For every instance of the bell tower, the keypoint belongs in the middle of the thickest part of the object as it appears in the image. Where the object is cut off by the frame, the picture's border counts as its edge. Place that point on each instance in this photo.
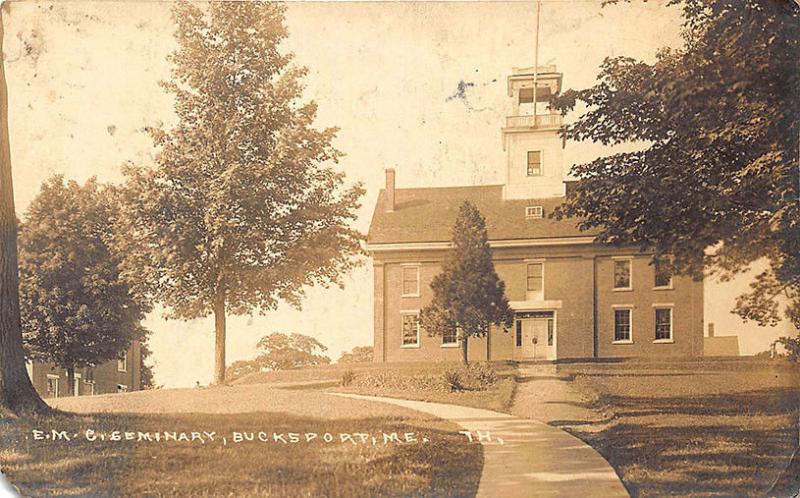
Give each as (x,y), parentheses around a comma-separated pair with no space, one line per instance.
(531,140)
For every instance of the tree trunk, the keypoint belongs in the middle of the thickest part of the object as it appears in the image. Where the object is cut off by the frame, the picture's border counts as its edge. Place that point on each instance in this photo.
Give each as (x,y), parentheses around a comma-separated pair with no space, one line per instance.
(464,358)
(71,380)
(16,391)
(219,331)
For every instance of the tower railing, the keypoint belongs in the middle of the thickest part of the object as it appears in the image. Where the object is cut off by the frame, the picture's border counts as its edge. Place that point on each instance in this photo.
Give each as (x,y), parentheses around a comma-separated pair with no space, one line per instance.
(539,121)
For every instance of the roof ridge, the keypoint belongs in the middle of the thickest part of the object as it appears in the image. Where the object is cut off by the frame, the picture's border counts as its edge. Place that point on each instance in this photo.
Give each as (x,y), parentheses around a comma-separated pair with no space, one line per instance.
(450,187)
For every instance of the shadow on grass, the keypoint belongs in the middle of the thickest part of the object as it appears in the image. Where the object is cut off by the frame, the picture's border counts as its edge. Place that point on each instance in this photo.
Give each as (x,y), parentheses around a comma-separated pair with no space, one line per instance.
(707,445)
(445,465)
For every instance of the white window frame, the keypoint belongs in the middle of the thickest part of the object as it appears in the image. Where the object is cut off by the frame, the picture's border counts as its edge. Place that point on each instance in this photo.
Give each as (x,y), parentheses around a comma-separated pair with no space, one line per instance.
(91,385)
(614,309)
(541,160)
(453,344)
(531,294)
(55,378)
(403,268)
(76,384)
(122,362)
(534,212)
(670,307)
(661,287)
(614,260)
(404,313)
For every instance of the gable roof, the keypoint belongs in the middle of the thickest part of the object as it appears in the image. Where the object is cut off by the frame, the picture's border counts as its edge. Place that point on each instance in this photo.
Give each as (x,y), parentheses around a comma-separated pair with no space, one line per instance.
(428,215)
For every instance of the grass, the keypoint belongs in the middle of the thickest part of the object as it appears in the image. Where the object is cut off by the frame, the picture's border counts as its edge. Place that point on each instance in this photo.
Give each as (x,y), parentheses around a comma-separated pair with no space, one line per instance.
(699,428)
(428,376)
(445,465)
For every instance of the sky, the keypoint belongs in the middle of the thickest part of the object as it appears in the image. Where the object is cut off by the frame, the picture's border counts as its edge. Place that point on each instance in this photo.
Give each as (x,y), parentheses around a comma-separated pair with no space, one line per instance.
(83,83)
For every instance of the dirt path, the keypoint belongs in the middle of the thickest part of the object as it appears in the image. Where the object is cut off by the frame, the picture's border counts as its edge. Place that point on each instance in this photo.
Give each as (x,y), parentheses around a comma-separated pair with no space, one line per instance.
(546,396)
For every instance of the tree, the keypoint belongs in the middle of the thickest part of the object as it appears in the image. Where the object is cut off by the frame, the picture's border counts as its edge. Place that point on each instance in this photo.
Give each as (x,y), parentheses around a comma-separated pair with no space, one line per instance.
(76,309)
(147,378)
(242,208)
(16,391)
(241,368)
(468,296)
(716,183)
(290,351)
(281,351)
(791,347)
(359,354)
(718,120)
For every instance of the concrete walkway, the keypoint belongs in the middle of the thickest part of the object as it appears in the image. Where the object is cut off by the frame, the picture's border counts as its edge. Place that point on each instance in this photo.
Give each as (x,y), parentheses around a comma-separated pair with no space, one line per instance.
(534,459)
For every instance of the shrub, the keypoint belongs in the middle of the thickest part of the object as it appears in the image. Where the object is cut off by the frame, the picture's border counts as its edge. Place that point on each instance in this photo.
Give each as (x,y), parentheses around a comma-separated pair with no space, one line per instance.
(452,378)
(348,377)
(481,375)
(791,346)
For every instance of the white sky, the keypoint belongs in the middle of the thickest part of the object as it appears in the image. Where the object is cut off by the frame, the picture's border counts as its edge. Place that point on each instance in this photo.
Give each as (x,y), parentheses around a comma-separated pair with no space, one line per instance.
(83,79)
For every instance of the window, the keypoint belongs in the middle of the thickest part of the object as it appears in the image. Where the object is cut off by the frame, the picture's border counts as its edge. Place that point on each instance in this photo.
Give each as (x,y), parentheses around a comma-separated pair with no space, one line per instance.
(450,337)
(90,386)
(519,333)
(52,386)
(122,362)
(534,163)
(76,385)
(534,212)
(410,280)
(410,329)
(526,94)
(535,277)
(550,332)
(663,275)
(622,325)
(663,324)
(622,274)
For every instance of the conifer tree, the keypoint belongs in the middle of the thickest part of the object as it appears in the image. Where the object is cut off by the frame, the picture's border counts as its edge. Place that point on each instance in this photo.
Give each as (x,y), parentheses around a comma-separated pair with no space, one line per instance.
(468,296)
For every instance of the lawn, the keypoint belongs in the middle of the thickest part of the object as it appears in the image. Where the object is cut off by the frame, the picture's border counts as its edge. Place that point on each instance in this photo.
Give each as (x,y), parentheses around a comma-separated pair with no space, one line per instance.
(439,463)
(699,428)
(420,381)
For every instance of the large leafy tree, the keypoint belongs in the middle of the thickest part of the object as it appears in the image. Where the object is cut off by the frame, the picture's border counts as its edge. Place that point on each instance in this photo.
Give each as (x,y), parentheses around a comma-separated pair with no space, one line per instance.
(715,181)
(279,351)
(242,208)
(76,309)
(16,391)
(468,296)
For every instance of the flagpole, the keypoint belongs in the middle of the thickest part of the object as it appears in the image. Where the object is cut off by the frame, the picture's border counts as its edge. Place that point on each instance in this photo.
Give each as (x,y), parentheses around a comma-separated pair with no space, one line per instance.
(536,63)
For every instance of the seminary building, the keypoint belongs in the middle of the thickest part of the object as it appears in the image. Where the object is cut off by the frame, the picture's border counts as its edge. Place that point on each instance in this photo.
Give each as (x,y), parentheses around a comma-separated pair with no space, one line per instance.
(120,375)
(572,298)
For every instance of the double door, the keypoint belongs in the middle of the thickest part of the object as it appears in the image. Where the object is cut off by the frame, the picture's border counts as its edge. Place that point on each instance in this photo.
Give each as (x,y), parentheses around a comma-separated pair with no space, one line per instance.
(538,338)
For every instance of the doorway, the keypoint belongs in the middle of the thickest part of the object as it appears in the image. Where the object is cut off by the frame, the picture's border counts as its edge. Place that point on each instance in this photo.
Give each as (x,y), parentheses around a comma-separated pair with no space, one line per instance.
(536,335)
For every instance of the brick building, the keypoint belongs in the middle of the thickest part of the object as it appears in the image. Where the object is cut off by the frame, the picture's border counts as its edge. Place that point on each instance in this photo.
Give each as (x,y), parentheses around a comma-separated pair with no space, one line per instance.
(572,298)
(120,375)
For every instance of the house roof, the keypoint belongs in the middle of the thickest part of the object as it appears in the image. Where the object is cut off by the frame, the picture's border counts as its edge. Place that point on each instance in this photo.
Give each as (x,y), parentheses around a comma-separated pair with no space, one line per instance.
(428,215)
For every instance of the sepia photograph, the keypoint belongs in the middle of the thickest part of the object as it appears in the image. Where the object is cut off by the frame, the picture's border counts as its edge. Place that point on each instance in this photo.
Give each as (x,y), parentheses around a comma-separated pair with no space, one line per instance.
(399,248)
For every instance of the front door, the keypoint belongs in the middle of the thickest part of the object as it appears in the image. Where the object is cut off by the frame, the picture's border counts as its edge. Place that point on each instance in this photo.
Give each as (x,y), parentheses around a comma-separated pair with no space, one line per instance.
(537,338)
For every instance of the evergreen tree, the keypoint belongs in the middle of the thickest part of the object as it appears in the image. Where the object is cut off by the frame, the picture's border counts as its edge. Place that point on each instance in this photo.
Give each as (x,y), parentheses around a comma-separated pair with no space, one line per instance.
(468,296)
